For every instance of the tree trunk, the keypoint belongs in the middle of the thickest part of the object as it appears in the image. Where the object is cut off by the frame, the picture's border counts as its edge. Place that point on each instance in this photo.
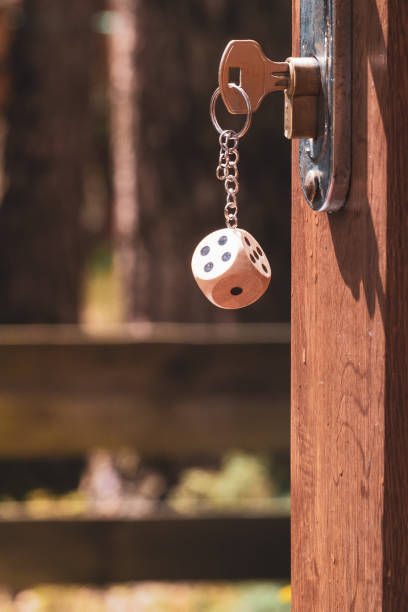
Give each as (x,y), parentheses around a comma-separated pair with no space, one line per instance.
(167,196)
(45,156)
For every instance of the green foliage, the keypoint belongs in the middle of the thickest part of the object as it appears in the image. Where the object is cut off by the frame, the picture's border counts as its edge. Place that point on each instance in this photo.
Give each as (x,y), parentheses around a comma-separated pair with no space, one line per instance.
(263,597)
(243,481)
(151,597)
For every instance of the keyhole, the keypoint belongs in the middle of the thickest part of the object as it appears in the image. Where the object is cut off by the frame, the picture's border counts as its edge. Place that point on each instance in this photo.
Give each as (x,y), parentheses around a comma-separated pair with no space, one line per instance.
(234,75)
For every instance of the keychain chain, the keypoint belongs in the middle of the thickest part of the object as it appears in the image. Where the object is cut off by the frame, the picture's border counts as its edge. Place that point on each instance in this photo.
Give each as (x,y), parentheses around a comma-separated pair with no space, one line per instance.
(227,171)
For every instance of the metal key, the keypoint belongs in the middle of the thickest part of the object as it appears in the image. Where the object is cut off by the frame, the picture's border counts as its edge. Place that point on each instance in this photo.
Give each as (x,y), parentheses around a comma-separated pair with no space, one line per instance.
(258,75)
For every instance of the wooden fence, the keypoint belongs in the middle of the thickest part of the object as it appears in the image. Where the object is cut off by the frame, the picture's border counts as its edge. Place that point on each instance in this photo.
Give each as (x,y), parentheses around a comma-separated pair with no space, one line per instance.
(165,390)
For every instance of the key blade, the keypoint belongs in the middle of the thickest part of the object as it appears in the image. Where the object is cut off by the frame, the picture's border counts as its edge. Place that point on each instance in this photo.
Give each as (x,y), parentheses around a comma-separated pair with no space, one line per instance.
(258,75)
(279,80)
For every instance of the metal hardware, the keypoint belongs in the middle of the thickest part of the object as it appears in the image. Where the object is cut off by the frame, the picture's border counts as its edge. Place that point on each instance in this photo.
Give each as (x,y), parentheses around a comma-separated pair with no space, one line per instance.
(312,186)
(317,93)
(227,169)
(325,33)
(258,75)
(247,109)
(302,98)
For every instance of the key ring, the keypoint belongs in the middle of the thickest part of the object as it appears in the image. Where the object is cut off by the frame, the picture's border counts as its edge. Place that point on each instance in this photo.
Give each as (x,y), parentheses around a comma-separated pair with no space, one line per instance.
(248,119)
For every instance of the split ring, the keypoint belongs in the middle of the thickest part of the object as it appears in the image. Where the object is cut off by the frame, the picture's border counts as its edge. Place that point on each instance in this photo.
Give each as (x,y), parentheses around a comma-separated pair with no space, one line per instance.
(248,119)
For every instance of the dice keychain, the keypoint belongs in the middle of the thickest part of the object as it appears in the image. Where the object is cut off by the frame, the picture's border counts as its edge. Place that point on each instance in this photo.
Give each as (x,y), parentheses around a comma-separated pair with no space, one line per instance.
(229,265)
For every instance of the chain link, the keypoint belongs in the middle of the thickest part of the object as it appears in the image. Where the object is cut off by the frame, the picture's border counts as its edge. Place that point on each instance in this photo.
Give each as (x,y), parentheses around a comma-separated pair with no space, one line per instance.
(227,171)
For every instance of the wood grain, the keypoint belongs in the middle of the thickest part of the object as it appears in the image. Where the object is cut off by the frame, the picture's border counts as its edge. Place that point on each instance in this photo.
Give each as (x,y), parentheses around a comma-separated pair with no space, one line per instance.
(105,551)
(349,351)
(164,389)
(395,521)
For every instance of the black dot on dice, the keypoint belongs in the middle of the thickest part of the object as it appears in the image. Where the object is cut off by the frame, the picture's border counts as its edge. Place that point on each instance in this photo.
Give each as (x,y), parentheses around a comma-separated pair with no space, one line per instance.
(259,250)
(256,255)
(226,256)
(247,241)
(208,266)
(205,250)
(222,240)
(252,259)
(264,268)
(236,290)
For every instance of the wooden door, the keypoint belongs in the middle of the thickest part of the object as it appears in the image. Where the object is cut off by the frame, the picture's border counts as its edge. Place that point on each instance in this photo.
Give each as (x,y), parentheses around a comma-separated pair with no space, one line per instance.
(350,346)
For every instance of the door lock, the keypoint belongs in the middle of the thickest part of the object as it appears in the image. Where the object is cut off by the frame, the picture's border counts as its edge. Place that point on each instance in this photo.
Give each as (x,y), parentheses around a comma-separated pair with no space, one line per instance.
(244,63)
(316,86)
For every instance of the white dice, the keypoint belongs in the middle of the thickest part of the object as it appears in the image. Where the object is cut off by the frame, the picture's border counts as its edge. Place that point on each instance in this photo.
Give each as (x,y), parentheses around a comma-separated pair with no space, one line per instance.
(230,268)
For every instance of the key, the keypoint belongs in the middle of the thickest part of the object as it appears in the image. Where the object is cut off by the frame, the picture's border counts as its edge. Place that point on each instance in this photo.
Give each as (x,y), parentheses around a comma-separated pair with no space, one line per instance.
(245,62)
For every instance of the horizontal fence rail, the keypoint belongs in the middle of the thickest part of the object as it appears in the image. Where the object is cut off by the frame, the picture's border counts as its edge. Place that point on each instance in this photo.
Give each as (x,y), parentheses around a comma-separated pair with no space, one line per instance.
(104,551)
(166,389)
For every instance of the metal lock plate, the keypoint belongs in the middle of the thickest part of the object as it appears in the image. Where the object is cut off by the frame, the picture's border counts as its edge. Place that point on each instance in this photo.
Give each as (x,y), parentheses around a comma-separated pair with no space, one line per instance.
(325,161)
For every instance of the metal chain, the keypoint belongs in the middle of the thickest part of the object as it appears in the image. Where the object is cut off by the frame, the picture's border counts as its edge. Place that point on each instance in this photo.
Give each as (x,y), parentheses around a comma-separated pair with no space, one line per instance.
(227,171)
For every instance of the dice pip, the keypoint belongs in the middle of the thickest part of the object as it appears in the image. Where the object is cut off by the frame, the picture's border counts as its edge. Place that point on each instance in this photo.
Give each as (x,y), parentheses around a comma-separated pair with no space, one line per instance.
(230,268)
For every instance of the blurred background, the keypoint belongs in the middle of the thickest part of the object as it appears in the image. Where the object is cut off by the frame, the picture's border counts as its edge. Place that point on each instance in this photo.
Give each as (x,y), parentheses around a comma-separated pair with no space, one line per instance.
(144,433)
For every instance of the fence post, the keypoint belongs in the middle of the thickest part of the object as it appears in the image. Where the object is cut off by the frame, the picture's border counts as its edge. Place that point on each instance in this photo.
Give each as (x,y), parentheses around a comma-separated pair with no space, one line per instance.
(350,346)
